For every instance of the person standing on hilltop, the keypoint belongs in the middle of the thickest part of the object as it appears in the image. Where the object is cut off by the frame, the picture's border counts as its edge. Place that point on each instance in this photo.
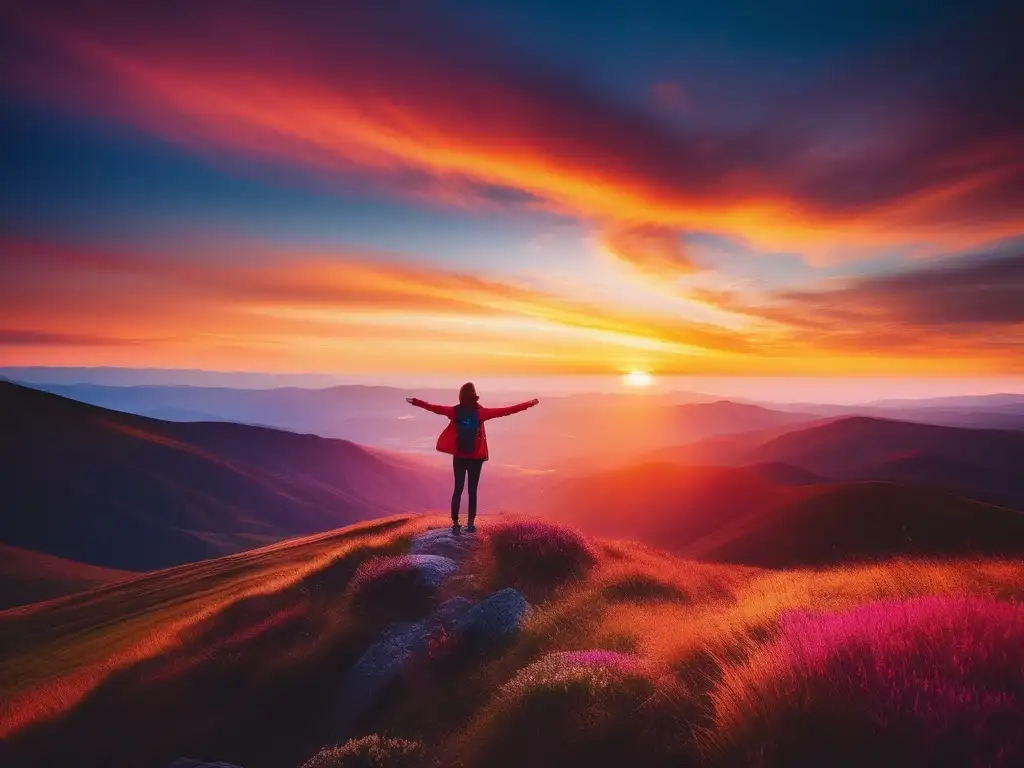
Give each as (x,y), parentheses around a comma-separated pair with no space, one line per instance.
(465,439)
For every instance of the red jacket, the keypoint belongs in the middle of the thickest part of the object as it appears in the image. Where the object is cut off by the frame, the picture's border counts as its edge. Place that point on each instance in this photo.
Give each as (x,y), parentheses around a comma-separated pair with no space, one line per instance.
(447,441)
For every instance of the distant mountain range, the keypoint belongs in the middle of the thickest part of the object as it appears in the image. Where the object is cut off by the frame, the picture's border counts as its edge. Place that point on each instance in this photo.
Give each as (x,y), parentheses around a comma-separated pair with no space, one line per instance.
(123,491)
(661,503)
(998,411)
(130,492)
(846,489)
(733,514)
(568,428)
(863,521)
(984,464)
(568,432)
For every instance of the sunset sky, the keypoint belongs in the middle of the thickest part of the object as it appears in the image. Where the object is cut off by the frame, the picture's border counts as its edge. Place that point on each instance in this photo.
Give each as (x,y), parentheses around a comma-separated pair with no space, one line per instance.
(530,187)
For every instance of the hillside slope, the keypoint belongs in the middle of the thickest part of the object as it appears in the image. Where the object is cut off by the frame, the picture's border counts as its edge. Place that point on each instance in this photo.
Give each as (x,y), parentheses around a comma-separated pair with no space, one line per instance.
(664,504)
(124,491)
(865,521)
(1003,487)
(574,426)
(28,577)
(845,447)
(778,515)
(625,656)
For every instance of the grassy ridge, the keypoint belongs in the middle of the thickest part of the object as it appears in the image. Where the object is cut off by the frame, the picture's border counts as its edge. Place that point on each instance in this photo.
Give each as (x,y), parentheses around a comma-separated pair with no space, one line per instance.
(628,654)
(56,653)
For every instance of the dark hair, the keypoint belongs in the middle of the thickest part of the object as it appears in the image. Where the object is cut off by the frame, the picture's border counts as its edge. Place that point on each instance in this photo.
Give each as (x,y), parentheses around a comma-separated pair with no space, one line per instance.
(468,395)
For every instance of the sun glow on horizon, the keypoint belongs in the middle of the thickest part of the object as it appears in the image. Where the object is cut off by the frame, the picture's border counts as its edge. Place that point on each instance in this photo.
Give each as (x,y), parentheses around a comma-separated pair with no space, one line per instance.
(637,379)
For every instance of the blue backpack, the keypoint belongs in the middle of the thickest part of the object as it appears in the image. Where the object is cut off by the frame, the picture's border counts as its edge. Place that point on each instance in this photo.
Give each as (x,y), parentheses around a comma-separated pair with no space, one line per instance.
(467,426)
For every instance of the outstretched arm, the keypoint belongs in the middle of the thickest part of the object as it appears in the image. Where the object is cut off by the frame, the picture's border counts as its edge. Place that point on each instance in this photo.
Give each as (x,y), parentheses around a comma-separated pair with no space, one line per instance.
(441,410)
(496,413)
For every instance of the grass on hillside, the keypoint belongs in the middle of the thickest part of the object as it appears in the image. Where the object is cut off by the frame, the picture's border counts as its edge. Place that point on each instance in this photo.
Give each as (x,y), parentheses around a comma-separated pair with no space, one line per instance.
(629,655)
(31,577)
(933,680)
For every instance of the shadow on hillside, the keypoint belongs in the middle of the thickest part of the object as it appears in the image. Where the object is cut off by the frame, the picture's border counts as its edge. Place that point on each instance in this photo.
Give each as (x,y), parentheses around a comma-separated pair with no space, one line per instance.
(247,685)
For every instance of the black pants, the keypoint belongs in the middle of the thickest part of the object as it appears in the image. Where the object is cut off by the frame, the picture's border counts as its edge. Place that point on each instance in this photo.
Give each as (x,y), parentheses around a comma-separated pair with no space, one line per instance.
(462,467)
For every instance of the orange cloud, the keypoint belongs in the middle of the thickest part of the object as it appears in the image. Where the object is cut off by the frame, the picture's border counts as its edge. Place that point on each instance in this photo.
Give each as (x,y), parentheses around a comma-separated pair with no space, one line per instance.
(354,93)
(318,311)
(967,311)
(283,307)
(654,250)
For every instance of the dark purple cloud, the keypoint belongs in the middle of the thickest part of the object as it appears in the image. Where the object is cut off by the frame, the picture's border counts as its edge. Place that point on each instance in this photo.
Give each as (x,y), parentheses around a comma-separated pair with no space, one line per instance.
(986,289)
(926,133)
(31,338)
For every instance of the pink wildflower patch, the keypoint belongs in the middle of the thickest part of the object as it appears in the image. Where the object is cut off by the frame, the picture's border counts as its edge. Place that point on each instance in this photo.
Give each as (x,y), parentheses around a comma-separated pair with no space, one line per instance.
(531,550)
(940,677)
(397,588)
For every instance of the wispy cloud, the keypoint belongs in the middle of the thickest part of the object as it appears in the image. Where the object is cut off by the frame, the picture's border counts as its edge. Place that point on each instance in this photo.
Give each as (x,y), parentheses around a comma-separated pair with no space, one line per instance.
(323,297)
(924,142)
(33,338)
(656,251)
(917,148)
(962,307)
(986,290)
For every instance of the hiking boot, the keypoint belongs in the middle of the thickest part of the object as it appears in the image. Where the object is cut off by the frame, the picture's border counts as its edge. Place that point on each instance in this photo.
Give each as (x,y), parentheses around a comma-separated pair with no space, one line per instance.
(470,528)
(456,529)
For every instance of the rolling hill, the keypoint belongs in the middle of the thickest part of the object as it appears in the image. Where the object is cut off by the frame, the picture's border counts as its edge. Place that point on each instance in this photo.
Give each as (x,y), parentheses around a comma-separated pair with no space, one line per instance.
(735,449)
(123,491)
(28,577)
(848,447)
(1004,487)
(861,522)
(625,656)
(664,504)
(983,464)
(577,441)
(576,428)
(363,414)
(779,515)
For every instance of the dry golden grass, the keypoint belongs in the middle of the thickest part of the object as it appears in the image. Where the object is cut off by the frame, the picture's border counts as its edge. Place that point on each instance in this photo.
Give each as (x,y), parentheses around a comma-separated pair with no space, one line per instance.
(55,653)
(229,655)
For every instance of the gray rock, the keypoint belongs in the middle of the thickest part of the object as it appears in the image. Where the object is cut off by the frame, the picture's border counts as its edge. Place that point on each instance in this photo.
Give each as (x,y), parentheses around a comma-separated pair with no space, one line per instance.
(493,622)
(432,569)
(452,610)
(185,762)
(485,625)
(377,668)
(442,542)
(397,645)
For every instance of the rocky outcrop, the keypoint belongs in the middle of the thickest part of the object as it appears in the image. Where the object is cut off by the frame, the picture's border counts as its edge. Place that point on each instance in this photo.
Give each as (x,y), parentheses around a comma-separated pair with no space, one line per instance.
(376,669)
(397,646)
(490,624)
(482,627)
(457,625)
(398,588)
(442,542)
(432,569)
(453,609)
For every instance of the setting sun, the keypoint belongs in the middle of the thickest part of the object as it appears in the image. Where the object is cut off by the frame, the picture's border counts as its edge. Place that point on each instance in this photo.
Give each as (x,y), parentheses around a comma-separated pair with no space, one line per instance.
(637,379)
